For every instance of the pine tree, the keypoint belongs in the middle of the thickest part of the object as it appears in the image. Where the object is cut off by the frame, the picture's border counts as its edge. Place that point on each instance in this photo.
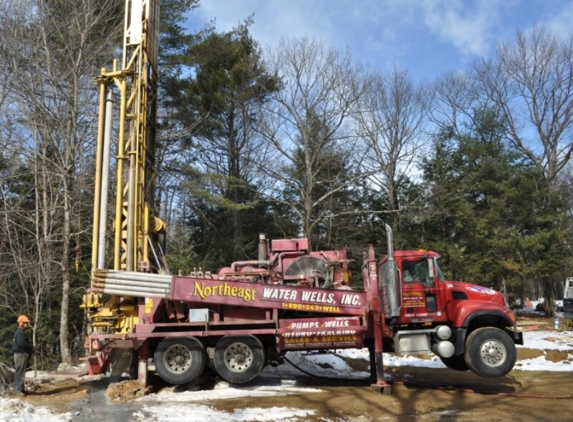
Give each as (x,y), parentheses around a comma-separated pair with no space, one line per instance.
(489,213)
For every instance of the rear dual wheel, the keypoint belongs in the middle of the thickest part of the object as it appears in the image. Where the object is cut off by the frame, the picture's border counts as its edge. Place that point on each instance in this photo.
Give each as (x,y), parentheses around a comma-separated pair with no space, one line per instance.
(180,360)
(239,359)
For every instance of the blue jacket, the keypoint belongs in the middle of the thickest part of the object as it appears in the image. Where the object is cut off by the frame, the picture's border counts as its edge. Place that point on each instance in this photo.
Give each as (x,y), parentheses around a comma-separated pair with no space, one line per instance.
(21,342)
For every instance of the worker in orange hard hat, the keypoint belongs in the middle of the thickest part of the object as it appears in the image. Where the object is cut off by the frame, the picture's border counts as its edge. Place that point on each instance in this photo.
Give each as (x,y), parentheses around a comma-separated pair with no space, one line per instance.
(22,348)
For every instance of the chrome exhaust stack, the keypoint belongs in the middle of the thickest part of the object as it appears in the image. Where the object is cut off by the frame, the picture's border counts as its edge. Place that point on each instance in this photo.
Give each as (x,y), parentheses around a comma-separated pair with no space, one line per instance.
(391,280)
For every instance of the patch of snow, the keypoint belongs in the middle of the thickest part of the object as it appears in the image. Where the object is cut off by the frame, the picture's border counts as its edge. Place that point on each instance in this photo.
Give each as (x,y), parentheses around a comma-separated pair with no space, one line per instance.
(14,410)
(223,390)
(202,413)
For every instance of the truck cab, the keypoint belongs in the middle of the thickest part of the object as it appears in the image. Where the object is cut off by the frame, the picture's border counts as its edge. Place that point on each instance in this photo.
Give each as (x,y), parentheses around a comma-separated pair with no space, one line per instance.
(469,327)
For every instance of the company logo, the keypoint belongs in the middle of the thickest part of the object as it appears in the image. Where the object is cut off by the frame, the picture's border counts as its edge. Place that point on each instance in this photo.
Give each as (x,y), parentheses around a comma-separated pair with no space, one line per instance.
(224,290)
(481,289)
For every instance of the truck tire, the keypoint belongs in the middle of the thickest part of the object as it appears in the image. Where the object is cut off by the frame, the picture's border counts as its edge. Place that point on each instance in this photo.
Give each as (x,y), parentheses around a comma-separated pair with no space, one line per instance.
(456,362)
(179,360)
(490,352)
(239,359)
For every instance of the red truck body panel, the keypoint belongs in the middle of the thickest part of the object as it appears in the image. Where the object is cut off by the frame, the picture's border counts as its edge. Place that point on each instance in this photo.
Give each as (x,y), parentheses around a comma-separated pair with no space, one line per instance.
(267,296)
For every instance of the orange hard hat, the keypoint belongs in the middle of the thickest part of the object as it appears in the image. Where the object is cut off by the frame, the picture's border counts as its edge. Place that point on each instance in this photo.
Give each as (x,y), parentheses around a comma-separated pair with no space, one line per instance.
(23,318)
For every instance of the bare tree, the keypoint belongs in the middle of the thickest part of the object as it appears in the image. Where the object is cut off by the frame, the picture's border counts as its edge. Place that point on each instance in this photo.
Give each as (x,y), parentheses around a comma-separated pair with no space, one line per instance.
(531,81)
(455,97)
(307,124)
(392,124)
(52,50)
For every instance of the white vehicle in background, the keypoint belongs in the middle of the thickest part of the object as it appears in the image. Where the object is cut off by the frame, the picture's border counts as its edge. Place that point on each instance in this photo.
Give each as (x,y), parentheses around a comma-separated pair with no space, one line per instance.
(568,298)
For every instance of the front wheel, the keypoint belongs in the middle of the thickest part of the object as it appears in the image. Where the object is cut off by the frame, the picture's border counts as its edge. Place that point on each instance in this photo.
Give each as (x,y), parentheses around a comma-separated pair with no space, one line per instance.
(490,352)
(239,359)
(180,360)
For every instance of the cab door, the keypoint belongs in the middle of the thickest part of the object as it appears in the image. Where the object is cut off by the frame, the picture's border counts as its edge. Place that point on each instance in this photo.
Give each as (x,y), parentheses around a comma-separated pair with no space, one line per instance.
(421,298)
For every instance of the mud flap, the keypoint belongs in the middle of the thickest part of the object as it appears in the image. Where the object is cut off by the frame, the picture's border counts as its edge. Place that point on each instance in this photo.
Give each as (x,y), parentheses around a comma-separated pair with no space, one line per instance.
(517,337)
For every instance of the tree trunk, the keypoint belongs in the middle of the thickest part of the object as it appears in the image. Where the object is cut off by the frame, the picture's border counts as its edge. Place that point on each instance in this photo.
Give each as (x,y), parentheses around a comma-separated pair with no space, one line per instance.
(64,309)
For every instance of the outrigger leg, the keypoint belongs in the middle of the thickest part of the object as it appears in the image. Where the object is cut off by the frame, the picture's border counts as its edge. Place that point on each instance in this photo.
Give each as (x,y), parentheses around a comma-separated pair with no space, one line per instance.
(377,372)
(142,357)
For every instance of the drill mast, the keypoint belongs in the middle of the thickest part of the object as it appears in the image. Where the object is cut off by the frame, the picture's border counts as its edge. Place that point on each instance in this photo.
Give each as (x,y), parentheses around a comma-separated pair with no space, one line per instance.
(136,228)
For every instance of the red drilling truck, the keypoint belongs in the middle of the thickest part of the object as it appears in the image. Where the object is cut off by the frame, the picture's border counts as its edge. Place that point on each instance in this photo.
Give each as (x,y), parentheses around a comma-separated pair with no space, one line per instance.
(292,298)
(252,312)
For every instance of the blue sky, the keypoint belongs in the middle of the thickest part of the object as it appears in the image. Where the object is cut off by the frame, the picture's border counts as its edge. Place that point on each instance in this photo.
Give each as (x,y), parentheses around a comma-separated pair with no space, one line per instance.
(425,37)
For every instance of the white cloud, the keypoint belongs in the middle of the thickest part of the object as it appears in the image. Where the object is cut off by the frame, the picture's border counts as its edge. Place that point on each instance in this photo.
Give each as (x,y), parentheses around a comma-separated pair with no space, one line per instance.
(427,37)
(468,26)
(273,19)
(561,22)
(376,31)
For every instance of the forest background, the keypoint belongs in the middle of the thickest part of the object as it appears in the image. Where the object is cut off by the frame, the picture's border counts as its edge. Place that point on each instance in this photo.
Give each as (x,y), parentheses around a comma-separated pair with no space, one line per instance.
(300,140)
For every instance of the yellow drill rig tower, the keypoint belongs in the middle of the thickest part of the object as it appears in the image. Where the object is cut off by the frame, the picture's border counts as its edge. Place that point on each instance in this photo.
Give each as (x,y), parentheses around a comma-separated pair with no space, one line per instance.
(126,147)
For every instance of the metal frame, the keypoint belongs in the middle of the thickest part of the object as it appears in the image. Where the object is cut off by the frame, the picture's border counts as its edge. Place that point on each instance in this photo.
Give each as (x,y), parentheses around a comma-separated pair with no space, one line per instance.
(134,222)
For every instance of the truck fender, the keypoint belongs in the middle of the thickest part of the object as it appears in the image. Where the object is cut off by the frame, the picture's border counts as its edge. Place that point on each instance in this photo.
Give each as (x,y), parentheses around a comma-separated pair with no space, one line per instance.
(488,314)
(461,333)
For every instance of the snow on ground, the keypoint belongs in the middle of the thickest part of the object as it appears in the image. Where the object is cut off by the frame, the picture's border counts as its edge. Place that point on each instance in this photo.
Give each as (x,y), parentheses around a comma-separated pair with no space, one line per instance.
(14,410)
(202,413)
(175,407)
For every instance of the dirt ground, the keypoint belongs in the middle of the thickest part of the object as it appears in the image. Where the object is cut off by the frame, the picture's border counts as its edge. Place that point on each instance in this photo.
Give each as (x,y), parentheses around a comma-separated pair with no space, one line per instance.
(417,394)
